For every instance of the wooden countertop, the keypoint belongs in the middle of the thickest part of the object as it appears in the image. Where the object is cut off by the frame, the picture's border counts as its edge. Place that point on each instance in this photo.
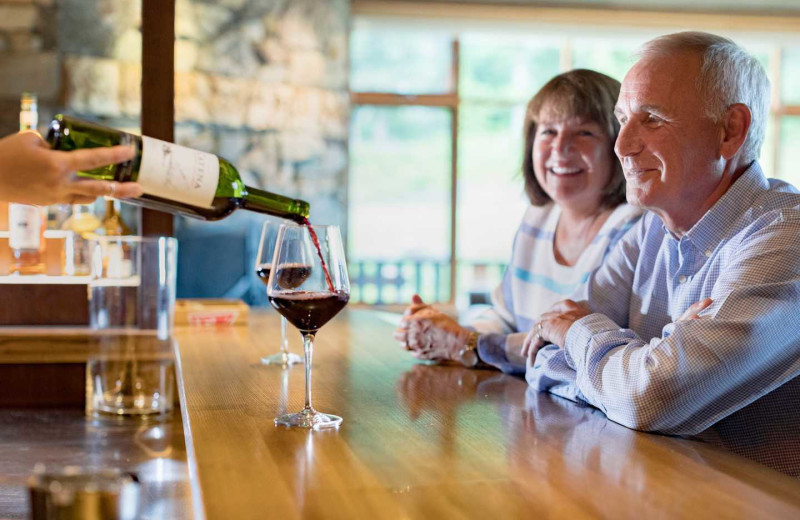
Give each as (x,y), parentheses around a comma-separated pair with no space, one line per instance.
(423,441)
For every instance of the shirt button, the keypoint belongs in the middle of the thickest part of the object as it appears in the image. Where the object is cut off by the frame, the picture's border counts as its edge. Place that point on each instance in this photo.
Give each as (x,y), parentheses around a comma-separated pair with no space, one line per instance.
(681,279)
(708,252)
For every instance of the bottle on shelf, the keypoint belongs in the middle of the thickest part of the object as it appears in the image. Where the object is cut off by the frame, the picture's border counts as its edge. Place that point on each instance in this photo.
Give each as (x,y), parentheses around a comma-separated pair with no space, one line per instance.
(112,220)
(118,254)
(175,179)
(83,224)
(26,223)
(57,214)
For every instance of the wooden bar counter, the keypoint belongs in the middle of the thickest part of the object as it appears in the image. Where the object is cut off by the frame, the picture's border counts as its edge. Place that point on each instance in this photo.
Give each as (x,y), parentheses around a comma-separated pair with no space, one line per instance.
(423,441)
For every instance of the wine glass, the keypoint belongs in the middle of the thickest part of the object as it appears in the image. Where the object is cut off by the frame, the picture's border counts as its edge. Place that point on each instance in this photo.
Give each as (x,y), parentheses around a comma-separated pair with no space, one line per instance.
(266,248)
(308,284)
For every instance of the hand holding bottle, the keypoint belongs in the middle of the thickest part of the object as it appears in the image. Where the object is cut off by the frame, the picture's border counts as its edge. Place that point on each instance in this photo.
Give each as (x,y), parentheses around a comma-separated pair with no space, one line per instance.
(174,178)
(32,173)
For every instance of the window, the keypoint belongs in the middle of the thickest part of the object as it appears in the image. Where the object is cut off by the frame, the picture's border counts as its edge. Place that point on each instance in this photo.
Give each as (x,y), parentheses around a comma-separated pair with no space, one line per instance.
(497,76)
(399,199)
(436,145)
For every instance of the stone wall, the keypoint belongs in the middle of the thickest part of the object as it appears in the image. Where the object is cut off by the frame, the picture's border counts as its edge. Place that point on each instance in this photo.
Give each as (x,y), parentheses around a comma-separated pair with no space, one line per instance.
(28,58)
(261,82)
(264,83)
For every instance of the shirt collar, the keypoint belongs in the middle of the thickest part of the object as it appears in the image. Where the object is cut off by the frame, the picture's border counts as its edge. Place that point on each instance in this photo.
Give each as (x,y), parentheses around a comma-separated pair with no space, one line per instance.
(715,225)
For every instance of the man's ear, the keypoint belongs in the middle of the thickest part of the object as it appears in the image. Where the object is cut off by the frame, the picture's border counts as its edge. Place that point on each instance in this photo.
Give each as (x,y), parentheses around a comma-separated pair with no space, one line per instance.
(735,125)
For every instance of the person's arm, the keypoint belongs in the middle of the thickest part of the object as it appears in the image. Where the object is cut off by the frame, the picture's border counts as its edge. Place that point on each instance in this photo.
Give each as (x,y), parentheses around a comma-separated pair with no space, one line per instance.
(700,371)
(431,335)
(32,173)
(607,291)
(499,318)
(615,268)
(500,341)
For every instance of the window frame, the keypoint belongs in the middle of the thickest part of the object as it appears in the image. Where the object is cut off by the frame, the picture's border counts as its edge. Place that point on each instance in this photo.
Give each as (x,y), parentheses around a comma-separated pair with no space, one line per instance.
(451,101)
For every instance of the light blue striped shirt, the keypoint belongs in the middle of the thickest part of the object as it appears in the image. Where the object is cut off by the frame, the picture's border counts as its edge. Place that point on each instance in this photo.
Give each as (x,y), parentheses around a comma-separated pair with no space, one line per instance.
(535,280)
(730,378)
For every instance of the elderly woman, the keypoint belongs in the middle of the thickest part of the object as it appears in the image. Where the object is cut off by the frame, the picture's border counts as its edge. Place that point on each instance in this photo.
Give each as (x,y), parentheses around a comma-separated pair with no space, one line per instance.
(577,213)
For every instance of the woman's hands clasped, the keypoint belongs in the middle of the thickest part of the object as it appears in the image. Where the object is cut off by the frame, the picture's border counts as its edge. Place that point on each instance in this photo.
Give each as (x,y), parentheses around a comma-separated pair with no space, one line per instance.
(430,334)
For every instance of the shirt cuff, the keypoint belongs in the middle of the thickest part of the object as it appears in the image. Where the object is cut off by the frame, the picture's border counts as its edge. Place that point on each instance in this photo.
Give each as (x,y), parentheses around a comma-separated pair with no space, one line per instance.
(576,344)
(492,351)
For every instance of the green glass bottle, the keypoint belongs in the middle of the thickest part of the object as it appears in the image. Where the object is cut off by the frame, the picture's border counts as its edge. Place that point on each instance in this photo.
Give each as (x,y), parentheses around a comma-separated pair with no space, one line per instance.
(174,178)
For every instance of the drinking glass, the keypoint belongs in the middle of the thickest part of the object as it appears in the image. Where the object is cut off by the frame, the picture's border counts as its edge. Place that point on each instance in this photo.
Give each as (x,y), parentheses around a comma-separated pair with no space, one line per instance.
(308,285)
(131,308)
(266,249)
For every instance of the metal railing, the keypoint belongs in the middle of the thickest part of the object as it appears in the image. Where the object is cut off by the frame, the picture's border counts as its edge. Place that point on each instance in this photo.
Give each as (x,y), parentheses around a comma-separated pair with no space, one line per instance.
(385,282)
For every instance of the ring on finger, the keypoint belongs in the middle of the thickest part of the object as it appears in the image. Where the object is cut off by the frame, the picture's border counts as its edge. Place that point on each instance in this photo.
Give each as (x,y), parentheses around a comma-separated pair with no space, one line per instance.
(537,336)
(112,188)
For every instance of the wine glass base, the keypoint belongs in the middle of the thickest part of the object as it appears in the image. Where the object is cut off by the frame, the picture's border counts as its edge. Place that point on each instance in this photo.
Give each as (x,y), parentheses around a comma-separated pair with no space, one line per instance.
(282,359)
(309,418)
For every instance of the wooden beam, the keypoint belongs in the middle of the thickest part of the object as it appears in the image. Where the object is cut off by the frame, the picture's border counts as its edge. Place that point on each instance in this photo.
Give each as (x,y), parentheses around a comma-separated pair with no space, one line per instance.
(426,100)
(792,110)
(572,16)
(158,91)
(454,77)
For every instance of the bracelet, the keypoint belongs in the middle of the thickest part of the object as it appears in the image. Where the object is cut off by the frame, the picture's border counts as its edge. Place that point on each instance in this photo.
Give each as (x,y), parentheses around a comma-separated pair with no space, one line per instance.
(469,354)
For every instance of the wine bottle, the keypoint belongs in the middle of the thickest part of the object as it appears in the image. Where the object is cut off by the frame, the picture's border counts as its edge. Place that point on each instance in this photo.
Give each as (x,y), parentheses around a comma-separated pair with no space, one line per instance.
(112,220)
(174,178)
(26,223)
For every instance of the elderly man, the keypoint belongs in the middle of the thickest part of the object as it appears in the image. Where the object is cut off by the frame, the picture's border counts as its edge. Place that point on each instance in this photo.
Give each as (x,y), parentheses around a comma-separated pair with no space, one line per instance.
(691,326)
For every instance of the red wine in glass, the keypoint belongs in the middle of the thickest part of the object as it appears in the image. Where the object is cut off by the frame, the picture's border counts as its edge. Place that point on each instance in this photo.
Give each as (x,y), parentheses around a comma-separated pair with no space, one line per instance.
(292,276)
(263,266)
(262,271)
(307,300)
(309,310)
(315,239)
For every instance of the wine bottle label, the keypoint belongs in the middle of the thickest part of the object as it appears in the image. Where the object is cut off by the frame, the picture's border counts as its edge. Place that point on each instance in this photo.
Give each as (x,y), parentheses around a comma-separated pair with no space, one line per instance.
(174,172)
(24,226)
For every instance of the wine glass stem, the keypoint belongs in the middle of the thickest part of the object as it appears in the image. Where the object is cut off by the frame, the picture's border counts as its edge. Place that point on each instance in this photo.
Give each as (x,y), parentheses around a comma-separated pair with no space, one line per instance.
(284,391)
(308,347)
(284,339)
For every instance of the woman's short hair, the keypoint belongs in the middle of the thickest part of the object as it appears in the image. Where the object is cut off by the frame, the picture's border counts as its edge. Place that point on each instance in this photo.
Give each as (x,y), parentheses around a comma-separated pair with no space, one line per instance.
(583,94)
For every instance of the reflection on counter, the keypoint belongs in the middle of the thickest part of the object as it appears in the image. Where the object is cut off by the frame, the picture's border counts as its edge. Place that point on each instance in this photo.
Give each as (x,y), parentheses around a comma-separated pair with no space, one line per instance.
(130,375)
(154,452)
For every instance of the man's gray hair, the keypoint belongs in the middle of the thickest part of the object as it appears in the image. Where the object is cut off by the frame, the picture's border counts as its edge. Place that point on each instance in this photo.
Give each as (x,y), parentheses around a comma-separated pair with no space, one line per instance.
(728,75)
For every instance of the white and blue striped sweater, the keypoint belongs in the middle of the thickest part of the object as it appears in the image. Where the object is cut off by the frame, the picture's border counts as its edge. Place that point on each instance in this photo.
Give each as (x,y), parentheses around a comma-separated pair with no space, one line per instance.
(534,280)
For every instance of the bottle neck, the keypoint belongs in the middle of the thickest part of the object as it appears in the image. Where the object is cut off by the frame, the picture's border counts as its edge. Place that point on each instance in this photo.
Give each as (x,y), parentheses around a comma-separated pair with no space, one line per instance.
(273,204)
